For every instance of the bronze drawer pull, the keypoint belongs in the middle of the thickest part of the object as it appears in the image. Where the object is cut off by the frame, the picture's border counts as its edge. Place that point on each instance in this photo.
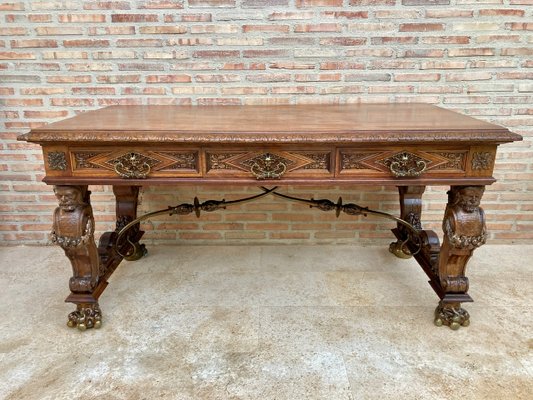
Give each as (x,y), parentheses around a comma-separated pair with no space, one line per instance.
(268,168)
(406,166)
(132,166)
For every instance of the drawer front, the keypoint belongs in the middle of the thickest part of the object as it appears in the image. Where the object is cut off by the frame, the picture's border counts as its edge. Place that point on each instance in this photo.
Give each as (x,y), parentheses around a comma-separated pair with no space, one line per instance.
(268,163)
(401,162)
(135,163)
(230,163)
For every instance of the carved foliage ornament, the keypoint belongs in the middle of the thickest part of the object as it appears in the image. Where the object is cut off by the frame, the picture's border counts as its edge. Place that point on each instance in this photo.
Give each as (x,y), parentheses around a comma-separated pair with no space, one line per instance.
(405,164)
(57,161)
(464,223)
(482,160)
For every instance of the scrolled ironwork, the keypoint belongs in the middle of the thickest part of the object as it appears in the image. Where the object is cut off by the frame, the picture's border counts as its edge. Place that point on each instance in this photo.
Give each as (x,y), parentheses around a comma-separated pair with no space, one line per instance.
(182,209)
(322,204)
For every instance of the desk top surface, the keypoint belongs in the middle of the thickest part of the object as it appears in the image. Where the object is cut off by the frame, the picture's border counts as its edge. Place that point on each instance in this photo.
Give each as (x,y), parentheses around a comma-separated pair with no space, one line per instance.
(271,124)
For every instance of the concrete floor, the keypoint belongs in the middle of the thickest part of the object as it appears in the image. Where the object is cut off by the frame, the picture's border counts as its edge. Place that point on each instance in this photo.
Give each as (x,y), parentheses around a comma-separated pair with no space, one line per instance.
(258,322)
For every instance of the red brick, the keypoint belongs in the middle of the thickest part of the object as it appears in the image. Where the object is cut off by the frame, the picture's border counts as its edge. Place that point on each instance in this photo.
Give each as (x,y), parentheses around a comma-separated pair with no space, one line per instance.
(57,31)
(341,65)
(265,53)
(504,12)
(217,78)
(372,2)
(424,53)
(291,65)
(162,4)
(326,27)
(134,18)
(425,2)
(12,6)
(140,43)
(42,91)
(318,3)
(168,78)
(291,15)
(265,28)
(414,77)
(118,78)
(394,39)
(343,41)
(211,3)
(93,90)
(45,114)
(82,18)
(520,26)
(194,18)
(33,43)
(471,52)
(517,51)
(69,79)
(163,29)
(40,18)
(12,55)
(345,14)
(72,102)
(421,27)
(216,53)
(446,40)
(86,43)
(106,5)
(13,31)
(449,13)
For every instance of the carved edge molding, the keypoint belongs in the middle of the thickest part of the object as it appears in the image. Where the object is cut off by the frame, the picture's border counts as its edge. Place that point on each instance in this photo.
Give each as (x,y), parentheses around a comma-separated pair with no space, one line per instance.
(280,137)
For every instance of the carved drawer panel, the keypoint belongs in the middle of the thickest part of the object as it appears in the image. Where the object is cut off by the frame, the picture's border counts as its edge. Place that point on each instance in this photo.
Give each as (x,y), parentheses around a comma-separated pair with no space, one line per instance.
(268,164)
(135,163)
(400,162)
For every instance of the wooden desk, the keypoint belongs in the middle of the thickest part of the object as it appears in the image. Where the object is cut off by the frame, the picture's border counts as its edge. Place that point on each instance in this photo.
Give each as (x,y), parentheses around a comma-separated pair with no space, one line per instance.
(405,145)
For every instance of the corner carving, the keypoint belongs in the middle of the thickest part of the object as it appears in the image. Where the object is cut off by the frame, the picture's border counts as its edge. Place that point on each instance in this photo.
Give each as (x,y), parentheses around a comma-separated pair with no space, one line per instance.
(73,231)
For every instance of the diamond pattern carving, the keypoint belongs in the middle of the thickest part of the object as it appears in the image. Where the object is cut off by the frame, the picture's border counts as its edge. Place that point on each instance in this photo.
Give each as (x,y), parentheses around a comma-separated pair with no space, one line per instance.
(156,160)
(381,161)
(244,161)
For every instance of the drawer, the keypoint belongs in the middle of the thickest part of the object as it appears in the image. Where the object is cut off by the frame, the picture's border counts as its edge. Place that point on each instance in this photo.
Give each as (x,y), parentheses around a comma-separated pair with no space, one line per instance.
(269,163)
(401,162)
(135,162)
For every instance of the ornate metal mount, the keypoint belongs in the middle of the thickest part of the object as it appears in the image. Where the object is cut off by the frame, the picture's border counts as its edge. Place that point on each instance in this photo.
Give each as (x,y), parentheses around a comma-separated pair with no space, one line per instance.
(213,205)
(268,167)
(452,315)
(132,165)
(406,165)
(85,317)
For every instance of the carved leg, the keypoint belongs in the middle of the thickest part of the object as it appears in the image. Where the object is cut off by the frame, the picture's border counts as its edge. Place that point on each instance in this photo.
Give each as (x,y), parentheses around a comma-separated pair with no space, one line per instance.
(464,231)
(126,211)
(73,230)
(410,211)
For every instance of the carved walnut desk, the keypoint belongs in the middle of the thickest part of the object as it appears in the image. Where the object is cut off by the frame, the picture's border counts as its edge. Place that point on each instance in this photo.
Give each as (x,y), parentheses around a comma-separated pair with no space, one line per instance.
(404,145)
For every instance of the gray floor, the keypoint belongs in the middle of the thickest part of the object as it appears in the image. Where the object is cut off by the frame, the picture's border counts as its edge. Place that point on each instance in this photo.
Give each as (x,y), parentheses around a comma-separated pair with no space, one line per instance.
(259,322)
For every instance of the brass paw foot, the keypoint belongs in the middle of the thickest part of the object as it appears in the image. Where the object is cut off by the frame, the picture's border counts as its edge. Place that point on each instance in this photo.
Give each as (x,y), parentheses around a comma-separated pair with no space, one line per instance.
(86,316)
(399,249)
(139,251)
(452,315)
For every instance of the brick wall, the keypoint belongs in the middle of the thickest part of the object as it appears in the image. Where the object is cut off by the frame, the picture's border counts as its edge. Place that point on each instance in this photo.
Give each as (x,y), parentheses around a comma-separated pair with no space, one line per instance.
(59,58)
